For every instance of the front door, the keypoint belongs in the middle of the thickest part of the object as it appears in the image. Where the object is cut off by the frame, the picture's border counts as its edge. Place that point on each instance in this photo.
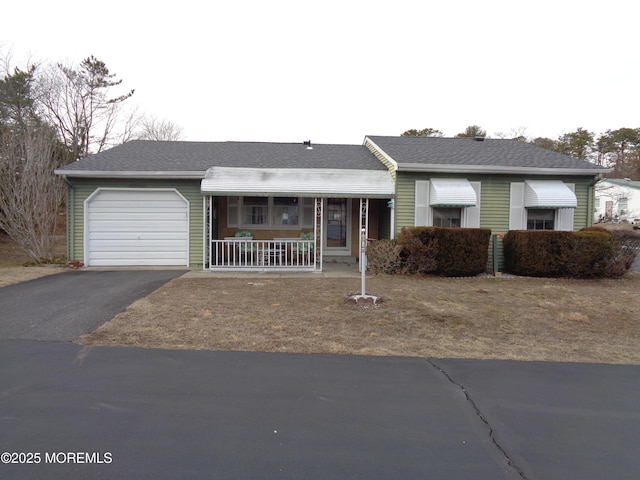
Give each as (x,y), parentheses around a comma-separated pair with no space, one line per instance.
(337,226)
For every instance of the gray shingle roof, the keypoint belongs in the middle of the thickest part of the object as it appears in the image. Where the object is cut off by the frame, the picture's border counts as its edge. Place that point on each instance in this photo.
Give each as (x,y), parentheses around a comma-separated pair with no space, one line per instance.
(159,156)
(471,152)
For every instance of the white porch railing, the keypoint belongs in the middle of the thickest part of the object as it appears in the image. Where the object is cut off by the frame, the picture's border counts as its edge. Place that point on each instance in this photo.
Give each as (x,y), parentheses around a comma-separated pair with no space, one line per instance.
(243,254)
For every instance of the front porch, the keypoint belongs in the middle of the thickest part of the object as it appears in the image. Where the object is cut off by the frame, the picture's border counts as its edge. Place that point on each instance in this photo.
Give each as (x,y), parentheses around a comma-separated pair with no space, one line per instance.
(336,237)
(243,254)
(288,219)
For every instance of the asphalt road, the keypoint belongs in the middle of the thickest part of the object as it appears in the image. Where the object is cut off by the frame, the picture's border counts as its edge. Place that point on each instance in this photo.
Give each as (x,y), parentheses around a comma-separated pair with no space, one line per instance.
(67,305)
(73,412)
(162,414)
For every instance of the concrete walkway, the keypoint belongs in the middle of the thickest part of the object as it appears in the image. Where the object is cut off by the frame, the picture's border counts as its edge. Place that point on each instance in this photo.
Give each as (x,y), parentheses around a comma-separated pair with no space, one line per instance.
(335,267)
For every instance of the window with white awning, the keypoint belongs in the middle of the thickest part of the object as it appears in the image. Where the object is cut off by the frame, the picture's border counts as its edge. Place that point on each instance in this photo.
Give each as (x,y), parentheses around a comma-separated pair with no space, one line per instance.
(447,202)
(548,194)
(542,205)
(452,192)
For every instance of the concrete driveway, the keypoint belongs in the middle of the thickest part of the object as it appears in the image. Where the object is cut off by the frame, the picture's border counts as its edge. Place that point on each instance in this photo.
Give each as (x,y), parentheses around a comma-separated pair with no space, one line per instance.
(69,304)
(106,412)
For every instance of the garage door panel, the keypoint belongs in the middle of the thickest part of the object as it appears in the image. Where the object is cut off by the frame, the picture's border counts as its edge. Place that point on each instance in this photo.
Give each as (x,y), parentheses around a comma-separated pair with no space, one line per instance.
(133,195)
(141,206)
(149,236)
(134,262)
(135,255)
(137,227)
(134,245)
(147,210)
(113,235)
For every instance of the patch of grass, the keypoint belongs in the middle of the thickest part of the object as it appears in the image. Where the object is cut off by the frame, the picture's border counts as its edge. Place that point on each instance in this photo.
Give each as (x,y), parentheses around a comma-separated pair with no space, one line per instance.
(7,263)
(58,260)
(508,318)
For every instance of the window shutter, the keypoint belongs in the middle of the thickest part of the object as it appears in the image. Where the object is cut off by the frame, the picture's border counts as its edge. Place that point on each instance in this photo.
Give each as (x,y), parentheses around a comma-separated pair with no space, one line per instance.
(517,212)
(422,211)
(472,214)
(232,211)
(564,216)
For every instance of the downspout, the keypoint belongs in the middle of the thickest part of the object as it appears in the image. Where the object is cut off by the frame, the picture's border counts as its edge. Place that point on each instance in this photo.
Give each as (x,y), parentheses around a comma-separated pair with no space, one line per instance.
(591,199)
(392,206)
(206,227)
(71,220)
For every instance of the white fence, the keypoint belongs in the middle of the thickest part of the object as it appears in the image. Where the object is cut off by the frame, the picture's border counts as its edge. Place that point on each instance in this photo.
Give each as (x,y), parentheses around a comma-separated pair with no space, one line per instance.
(238,253)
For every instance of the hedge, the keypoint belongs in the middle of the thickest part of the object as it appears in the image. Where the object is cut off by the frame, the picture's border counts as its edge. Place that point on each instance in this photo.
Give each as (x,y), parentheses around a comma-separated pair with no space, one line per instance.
(432,250)
(589,253)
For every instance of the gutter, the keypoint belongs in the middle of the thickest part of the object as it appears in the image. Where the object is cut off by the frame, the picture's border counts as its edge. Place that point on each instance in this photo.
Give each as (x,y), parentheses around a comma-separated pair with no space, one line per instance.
(445,168)
(70,212)
(131,174)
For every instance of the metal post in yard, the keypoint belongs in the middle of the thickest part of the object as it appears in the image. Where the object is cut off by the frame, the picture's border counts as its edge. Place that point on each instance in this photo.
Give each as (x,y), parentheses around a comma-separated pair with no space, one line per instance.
(363,258)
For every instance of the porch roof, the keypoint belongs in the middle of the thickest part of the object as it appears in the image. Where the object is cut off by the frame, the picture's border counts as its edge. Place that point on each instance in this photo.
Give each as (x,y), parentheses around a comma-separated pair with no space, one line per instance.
(302,182)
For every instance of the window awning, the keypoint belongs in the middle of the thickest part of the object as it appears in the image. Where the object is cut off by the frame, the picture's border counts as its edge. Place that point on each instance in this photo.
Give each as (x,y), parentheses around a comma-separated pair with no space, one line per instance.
(302,182)
(548,194)
(452,192)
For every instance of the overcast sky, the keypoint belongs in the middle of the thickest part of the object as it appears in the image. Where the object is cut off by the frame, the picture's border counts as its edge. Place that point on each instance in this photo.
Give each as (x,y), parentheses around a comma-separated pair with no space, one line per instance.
(333,71)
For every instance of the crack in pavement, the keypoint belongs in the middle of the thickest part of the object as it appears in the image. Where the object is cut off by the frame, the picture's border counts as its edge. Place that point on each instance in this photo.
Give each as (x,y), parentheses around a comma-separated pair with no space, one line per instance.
(482,418)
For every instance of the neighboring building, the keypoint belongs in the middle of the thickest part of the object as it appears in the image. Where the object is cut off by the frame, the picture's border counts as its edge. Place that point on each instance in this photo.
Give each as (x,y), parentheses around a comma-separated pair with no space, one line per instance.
(617,200)
(244,205)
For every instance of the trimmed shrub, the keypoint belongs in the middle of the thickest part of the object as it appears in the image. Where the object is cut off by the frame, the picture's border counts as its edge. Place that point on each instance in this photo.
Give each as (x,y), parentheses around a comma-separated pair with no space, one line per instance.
(462,251)
(590,253)
(593,252)
(629,246)
(384,256)
(419,249)
(444,251)
(535,253)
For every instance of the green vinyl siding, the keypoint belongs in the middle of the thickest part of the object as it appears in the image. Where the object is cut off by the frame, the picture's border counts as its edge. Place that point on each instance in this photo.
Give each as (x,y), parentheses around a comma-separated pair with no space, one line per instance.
(81,188)
(494,201)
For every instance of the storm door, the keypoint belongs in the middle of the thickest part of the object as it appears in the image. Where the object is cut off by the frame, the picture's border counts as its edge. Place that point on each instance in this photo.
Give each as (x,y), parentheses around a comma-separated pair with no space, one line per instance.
(337,226)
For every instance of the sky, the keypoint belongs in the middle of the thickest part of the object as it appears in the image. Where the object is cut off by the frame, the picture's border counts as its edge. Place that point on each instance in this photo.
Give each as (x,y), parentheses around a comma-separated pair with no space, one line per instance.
(333,71)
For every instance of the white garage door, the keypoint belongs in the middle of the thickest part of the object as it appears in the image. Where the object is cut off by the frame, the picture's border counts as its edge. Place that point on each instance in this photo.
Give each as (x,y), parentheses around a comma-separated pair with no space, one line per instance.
(136,227)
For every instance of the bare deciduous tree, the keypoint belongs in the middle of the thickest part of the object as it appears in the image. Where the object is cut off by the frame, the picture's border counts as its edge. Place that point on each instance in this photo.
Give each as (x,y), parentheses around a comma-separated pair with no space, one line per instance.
(519,134)
(30,193)
(77,102)
(152,128)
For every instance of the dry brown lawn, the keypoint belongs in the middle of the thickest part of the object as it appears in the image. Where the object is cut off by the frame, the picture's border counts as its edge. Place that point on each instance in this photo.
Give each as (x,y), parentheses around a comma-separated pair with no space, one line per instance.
(505,318)
(501,318)
(12,259)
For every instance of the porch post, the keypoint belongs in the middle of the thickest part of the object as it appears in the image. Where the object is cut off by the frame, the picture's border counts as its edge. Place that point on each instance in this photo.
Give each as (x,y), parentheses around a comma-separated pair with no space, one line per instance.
(392,206)
(364,227)
(317,233)
(206,231)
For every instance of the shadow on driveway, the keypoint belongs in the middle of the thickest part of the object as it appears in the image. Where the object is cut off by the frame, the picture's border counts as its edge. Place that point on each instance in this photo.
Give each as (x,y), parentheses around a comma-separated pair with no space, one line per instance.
(62,307)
